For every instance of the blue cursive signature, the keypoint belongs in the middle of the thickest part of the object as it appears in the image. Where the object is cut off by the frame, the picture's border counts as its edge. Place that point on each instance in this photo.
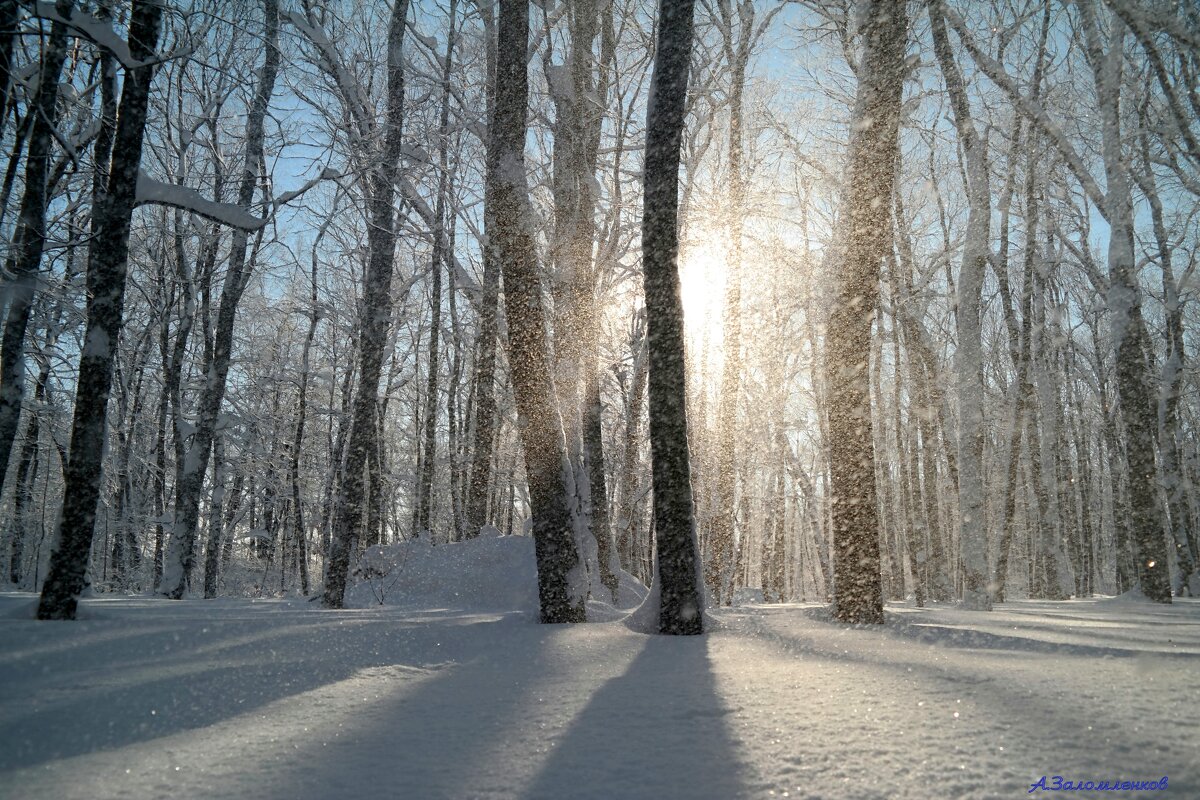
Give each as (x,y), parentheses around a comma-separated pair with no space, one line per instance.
(1056,783)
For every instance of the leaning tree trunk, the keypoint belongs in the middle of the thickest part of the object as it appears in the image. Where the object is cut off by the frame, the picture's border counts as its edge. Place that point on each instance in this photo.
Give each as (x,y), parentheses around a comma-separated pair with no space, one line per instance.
(866,238)
(180,554)
(107,265)
(376,319)
(547,469)
(676,550)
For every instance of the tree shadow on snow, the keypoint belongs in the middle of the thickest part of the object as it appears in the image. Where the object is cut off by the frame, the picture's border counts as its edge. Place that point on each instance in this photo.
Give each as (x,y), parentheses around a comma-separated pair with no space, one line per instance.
(132,686)
(657,731)
(1047,718)
(943,634)
(470,730)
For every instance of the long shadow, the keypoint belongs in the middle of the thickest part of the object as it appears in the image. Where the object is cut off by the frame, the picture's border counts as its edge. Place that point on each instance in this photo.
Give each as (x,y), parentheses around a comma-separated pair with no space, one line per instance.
(949,635)
(188,676)
(471,730)
(657,731)
(1037,716)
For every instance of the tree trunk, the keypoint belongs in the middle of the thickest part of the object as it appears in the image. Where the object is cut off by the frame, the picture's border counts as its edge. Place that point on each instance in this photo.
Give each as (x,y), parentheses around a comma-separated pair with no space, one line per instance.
(485,372)
(676,550)
(107,265)
(720,567)
(1134,383)
(865,240)
(29,239)
(968,354)
(560,584)
(376,319)
(439,260)
(180,553)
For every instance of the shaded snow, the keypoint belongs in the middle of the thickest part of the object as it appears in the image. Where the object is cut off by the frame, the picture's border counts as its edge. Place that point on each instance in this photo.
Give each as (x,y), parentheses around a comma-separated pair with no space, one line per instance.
(150,698)
(487,573)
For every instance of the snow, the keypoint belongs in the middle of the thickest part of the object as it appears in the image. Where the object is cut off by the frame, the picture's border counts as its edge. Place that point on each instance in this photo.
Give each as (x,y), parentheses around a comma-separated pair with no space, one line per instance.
(90,27)
(448,698)
(176,196)
(487,573)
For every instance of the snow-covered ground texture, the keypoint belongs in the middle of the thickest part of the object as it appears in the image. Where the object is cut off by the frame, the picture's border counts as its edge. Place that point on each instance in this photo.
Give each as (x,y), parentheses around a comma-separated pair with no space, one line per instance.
(147,698)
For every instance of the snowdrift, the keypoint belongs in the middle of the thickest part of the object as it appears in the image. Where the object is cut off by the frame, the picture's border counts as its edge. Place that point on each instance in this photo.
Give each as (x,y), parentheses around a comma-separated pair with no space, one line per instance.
(490,573)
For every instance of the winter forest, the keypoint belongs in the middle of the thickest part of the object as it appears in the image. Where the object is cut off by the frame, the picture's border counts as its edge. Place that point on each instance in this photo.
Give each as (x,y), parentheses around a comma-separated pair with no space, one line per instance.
(344,341)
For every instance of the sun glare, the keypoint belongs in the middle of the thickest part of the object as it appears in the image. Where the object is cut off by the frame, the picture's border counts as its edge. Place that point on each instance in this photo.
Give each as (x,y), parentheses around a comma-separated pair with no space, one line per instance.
(702,270)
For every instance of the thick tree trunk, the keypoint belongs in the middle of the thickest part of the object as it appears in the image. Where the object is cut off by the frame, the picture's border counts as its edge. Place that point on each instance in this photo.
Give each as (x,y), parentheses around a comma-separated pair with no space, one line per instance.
(1134,383)
(107,265)
(865,241)
(560,584)
(678,579)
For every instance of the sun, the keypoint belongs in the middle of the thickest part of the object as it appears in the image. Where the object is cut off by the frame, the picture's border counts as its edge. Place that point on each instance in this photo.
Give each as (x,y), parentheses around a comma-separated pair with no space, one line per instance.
(702,270)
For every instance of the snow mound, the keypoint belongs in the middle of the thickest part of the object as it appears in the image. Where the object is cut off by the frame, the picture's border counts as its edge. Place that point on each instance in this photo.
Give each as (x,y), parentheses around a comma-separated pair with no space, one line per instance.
(489,573)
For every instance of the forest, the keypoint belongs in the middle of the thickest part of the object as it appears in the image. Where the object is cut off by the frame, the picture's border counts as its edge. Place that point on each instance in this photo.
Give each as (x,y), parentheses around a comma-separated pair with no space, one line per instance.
(934,269)
(343,338)
(280,288)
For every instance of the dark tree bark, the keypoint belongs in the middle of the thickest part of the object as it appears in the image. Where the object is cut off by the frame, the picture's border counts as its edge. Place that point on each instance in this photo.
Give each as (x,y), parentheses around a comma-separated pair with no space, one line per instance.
(376,319)
(30,237)
(539,423)
(866,238)
(479,488)
(181,550)
(10,12)
(674,513)
(1134,381)
(107,264)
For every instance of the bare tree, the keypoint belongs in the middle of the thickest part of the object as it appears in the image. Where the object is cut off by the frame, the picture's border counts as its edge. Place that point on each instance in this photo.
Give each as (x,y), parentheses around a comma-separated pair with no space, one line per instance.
(107,265)
(547,467)
(865,240)
(180,554)
(376,314)
(676,551)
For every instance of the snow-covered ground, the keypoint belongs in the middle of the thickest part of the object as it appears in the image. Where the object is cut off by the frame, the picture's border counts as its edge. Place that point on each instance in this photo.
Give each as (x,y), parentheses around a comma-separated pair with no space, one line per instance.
(277,698)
